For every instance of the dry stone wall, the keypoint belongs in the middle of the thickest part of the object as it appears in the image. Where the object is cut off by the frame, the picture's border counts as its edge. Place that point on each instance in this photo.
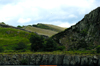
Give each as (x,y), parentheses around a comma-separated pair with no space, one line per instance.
(48,59)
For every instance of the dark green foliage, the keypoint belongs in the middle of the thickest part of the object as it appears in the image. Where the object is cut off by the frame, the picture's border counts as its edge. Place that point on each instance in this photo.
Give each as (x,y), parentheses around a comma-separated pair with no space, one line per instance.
(19,26)
(24,62)
(84,32)
(2,23)
(61,48)
(98,49)
(81,44)
(50,45)
(1,49)
(21,46)
(43,26)
(39,43)
(36,41)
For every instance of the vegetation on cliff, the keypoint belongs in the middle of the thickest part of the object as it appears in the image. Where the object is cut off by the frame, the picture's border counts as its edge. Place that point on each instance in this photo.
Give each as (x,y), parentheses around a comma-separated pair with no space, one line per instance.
(85,35)
(12,40)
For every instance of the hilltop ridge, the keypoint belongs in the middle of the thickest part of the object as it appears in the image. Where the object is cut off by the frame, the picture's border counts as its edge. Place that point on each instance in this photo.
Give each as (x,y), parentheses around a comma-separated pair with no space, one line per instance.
(84,35)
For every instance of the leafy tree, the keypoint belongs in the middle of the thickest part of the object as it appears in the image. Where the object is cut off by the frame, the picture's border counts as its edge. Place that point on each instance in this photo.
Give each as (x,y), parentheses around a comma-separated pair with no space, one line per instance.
(50,45)
(37,42)
(61,48)
(2,23)
(19,26)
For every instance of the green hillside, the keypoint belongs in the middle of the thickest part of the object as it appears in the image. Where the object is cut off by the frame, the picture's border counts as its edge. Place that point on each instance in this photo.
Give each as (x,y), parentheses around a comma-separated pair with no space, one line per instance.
(56,28)
(9,37)
(45,29)
(41,31)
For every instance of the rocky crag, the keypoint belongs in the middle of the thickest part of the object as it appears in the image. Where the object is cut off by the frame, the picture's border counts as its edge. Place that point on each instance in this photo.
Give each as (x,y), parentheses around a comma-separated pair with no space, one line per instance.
(85,34)
(48,59)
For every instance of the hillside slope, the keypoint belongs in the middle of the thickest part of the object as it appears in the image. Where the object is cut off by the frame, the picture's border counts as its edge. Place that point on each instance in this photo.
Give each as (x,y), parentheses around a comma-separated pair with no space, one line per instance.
(84,35)
(41,31)
(49,27)
(45,29)
(9,37)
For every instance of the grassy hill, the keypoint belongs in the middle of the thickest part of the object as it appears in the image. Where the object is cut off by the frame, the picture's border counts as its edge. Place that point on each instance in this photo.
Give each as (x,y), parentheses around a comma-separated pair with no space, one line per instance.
(9,37)
(41,31)
(45,29)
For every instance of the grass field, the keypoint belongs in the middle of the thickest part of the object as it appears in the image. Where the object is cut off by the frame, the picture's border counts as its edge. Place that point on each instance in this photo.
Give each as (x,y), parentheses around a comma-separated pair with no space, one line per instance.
(90,53)
(41,31)
(9,37)
(47,32)
(56,27)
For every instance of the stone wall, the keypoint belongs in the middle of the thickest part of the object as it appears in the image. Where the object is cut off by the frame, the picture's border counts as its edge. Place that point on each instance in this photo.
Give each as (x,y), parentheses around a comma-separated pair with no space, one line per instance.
(47,59)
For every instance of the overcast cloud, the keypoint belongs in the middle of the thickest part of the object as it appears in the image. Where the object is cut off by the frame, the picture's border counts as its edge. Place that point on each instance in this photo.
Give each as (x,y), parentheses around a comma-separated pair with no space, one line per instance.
(63,13)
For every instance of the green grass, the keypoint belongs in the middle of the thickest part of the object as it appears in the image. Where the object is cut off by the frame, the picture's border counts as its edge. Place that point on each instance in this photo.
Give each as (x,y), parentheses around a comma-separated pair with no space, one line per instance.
(45,29)
(53,52)
(57,28)
(41,31)
(9,37)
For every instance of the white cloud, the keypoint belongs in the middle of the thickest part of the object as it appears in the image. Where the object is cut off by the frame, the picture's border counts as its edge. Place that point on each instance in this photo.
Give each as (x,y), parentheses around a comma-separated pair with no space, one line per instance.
(72,16)
(25,11)
(21,20)
(66,24)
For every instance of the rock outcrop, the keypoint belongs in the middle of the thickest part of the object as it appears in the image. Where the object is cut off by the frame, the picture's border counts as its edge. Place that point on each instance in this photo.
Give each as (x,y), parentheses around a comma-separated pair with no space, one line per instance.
(85,34)
(48,59)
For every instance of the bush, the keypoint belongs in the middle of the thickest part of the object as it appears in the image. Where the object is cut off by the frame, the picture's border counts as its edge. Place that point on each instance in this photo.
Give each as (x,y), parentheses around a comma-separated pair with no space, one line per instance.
(19,26)
(21,46)
(36,42)
(98,49)
(1,49)
(2,23)
(50,45)
(61,48)
(39,43)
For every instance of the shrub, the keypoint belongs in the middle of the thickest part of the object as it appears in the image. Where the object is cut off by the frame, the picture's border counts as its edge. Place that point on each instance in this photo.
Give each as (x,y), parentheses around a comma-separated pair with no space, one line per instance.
(50,45)
(2,23)
(19,26)
(61,48)
(36,42)
(21,46)
(98,49)
(1,49)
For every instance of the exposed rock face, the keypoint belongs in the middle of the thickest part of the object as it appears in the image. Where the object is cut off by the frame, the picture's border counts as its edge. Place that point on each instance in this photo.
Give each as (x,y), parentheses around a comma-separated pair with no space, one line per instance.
(47,59)
(85,34)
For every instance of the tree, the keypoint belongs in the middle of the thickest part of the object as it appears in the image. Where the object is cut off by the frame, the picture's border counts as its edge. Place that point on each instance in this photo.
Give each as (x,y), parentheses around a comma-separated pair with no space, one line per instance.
(19,26)
(50,45)
(36,42)
(2,23)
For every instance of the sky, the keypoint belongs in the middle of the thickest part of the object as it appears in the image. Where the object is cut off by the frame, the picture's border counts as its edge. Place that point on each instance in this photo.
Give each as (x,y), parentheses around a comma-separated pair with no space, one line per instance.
(64,13)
